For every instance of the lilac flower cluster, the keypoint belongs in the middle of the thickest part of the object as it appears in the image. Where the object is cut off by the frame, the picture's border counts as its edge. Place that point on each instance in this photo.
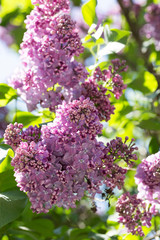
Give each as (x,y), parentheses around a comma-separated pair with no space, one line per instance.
(96,87)
(116,150)
(12,135)
(5,35)
(3,122)
(47,51)
(148,179)
(62,161)
(81,116)
(133,213)
(152,27)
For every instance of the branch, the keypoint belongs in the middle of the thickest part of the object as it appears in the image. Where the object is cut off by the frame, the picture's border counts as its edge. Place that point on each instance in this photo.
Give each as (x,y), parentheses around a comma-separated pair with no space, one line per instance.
(135,31)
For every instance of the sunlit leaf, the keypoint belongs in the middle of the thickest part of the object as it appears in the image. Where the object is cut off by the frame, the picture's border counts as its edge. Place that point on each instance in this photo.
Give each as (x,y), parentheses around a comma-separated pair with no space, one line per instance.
(89,12)
(98,33)
(112,47)
(4,150)
(150,81)
(117,35)
(154,145)
(7,94)
(27,119)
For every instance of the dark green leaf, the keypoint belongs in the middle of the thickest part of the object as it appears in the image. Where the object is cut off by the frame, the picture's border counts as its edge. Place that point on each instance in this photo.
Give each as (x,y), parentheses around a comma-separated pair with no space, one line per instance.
(7,94)
(150,124)
(7,180)
(76,2)
(89,12)
(41,226)
(154,145)
(12,203)
(81,234)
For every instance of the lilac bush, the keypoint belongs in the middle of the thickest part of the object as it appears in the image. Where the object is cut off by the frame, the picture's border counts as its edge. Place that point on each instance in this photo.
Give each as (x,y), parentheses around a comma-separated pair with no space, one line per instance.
(60,162)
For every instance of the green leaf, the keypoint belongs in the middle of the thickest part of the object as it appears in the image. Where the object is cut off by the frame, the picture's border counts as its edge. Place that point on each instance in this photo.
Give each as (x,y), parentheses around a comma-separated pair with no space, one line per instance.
(117,35)
(84,234)
(112,47)
(79,234)
(27,119)
(154,145)
(77,2)
(6,164)
(42,226)
(4,150)
(92,28)
(9,16)
(132,237)
(92,43)
(7,180)
(150,124)
(98,33)
(12,203)
(89,12)
(150,81)
(7,94)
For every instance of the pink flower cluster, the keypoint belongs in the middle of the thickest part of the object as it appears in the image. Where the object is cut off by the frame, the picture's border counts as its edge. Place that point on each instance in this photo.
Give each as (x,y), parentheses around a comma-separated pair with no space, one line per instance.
(47,51)
(152,26)
(102,82)
(137,210)
(133,213)
(62,161)
(12,135)
(81,116)
(3,121)
(148,179)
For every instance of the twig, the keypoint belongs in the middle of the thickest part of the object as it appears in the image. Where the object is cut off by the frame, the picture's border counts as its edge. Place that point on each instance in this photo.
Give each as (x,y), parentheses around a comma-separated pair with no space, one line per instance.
(135,31)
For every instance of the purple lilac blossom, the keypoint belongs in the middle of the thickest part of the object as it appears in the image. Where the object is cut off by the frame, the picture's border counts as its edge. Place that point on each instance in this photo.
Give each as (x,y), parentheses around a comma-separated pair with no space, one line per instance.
(49,45)
(81,116)
(12,135)
(152,27)
(133,213)
(5,35)
(3,122)
(98,86)
(117,150)
(56,165)
(148,178)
